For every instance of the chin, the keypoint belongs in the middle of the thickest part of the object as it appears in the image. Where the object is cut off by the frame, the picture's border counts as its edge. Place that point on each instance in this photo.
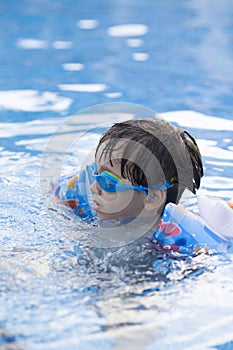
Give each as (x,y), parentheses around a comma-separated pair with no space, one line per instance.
(104,216)
(109,216)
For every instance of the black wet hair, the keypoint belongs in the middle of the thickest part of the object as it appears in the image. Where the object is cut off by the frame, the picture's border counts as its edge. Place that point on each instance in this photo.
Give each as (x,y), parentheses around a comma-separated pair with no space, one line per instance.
(153,151)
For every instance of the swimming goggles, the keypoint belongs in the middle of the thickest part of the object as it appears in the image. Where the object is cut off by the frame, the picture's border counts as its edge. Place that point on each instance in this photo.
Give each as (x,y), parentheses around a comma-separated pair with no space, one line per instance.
(111,183)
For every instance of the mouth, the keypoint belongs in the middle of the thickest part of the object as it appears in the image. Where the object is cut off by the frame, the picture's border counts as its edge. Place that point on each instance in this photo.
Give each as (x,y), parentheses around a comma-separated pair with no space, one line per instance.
(99,209)
(96,206)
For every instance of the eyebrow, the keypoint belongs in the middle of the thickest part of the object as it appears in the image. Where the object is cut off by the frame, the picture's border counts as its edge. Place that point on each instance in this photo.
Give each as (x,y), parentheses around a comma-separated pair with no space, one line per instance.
(103,168)
(106,168)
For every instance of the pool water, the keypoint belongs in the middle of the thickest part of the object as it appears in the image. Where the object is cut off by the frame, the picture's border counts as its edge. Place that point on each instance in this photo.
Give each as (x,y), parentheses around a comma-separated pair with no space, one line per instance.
(59,58)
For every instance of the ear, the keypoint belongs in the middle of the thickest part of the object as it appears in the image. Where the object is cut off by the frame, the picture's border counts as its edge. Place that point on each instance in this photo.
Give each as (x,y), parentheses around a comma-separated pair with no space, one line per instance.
(159,198)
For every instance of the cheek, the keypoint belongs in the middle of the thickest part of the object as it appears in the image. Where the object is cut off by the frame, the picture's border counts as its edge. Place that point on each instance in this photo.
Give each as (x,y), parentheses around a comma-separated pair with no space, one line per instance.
(109,198)
(115,199)
(125,203)
(134,202)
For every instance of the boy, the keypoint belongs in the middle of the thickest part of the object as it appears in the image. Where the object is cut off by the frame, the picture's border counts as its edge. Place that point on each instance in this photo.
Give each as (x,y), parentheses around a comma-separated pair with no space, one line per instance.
(149,153)
(142,168)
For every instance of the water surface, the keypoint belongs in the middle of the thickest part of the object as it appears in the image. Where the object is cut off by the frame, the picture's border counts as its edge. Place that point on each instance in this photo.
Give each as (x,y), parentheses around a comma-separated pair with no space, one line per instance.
(60,57)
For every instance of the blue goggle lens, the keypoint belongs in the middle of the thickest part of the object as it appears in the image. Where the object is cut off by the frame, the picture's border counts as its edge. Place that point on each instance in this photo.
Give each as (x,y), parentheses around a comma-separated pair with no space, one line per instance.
(107,182)
(111,183)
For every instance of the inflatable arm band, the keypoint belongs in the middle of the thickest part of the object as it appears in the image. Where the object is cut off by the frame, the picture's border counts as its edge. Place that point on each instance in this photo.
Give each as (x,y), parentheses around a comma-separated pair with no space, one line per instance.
(73,191)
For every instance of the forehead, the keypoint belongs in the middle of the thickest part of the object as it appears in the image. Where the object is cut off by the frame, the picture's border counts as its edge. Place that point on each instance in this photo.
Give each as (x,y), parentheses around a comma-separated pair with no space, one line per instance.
(110,152)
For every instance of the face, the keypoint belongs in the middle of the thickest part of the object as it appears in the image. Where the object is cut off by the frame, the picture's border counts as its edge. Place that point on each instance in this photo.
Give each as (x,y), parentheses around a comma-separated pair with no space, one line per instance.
(115,205)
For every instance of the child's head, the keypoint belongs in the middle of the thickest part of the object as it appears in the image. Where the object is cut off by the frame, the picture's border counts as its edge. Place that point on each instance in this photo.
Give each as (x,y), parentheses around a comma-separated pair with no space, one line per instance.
(164,160)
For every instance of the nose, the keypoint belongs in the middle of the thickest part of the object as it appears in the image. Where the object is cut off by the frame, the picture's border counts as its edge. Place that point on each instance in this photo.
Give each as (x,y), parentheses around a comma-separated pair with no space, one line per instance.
(95,188)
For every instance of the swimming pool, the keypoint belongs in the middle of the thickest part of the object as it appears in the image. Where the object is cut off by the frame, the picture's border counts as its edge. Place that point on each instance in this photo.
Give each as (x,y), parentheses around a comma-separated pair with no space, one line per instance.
(58,58)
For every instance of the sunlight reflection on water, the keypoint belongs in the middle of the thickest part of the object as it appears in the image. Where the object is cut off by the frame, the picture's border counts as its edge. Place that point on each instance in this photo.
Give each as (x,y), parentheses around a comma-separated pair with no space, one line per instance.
(62,289)
(56,291)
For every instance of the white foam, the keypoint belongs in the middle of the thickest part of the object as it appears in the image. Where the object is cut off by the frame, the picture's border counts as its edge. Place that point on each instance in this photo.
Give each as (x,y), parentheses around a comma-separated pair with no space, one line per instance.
(87,23)
(217,182)
(140,56)
(73,66)
(35,144)
(31,44)
(134,42)
(83,87)
(67,126)
(113,94)
(33,101)
(191,119)
(219,163)
(34,127)
(209,148)
(62,45)
(124,30)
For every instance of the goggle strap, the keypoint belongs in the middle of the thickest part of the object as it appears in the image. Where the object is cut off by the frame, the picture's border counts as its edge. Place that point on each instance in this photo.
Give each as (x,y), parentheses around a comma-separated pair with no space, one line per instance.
(141,189)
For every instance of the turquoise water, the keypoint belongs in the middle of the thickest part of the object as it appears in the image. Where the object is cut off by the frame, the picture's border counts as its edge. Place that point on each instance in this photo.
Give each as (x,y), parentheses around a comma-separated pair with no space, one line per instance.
(57,58)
